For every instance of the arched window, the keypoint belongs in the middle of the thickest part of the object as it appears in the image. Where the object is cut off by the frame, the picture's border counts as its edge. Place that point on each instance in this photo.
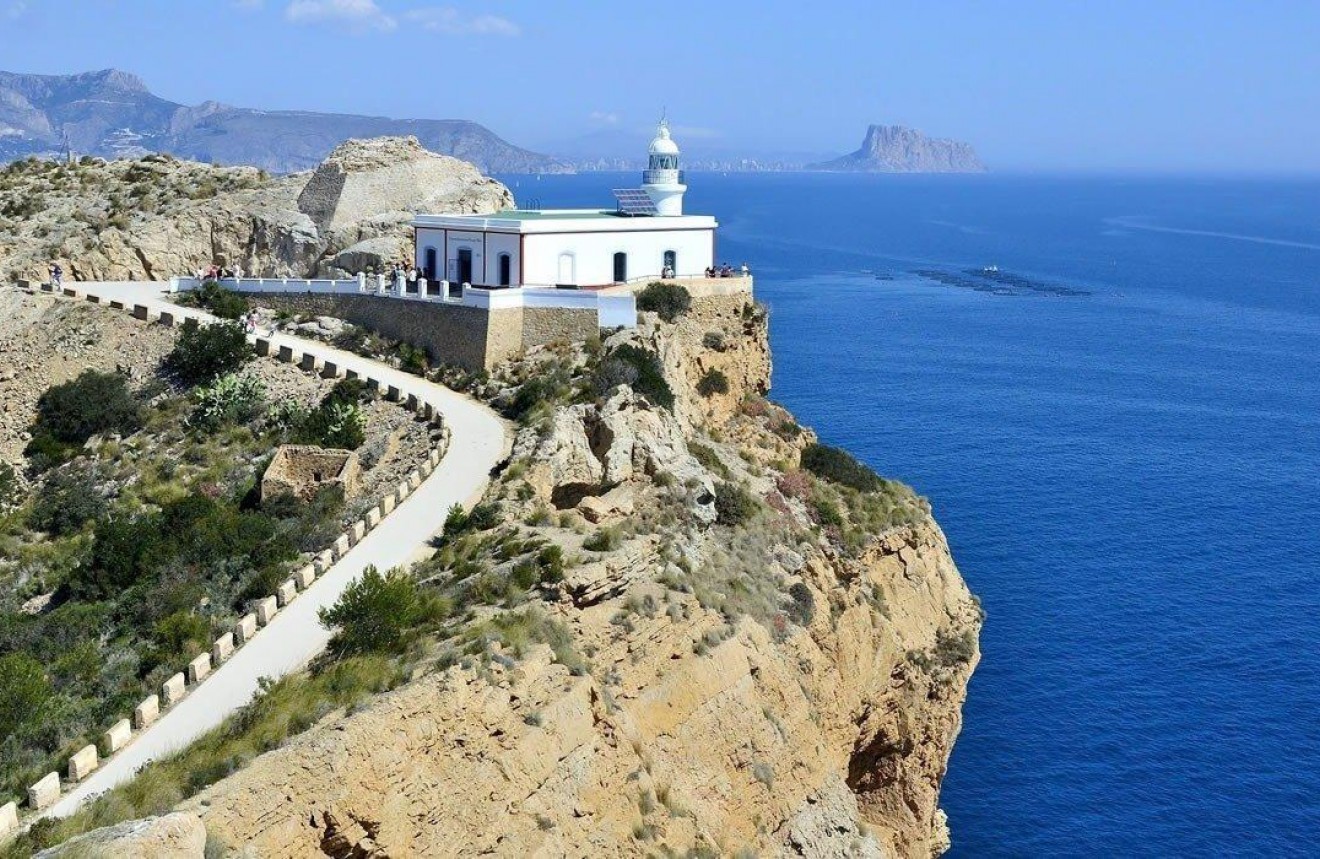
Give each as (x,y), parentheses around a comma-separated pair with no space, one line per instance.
(506,269)
(620,267)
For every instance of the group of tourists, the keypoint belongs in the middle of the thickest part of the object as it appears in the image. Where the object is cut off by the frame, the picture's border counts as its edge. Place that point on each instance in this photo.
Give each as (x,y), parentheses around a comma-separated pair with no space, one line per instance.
(727,270)
(408,272)
(215,272)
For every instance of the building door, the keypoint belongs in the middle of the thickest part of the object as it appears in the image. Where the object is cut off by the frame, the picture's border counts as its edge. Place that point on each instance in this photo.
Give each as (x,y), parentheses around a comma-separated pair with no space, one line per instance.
(567,269)
(429,271)
(671,262)
(506,270)
(620,267)
(465,265)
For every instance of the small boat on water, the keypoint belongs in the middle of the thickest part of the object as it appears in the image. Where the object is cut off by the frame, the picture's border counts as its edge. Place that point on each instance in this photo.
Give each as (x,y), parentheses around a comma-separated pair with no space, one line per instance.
(990,269)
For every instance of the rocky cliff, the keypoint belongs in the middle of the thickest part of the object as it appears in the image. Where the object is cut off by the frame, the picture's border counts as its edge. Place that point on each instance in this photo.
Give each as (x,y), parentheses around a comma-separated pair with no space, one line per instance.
(740,657)
(112,114)
(895,149)
(155,217)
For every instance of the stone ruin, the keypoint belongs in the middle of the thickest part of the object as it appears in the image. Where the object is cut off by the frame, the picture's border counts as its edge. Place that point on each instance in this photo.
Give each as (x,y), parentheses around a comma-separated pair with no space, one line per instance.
(303,470)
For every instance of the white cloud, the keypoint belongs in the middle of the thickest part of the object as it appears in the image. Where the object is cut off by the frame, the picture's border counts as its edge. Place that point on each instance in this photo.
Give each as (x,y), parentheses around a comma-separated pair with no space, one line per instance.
(452,22)
(604,117)
(16,9)
(357,16)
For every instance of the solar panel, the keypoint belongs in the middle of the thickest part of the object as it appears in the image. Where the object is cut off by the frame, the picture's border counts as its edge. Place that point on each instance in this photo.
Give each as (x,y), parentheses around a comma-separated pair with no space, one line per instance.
(634,201)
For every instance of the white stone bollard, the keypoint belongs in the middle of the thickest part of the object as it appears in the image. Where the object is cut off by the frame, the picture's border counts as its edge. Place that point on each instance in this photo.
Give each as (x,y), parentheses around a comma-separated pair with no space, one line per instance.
(43,794)
(245,629)
(324,562)
(373,517)
(199,668)
(414,479)
(266,609)
(222,649)
(286,592)
(305,577)
(380,283)
(425,468)
(387,505)
(146,712)
(117,737)
(434,456)
(82,763)
(362,281)
(358,531)
(173,690)
(403,491)
(8,818)
(341,546)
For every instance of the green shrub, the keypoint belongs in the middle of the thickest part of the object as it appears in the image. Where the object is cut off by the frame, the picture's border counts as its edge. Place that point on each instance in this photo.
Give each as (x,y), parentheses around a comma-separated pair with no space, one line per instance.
(334,423)
(733,504)
(23,690)
(377,613)
(484,516)
(714,382)
(8,485)
(802,605)
(668,300)
(604,540)
(230,399)
(827,512)
(90,404)
(839,466)
(220,301)
(66,500)
(954,650)
(349,391)
(650,381)
(708,458)
(206,352)
(714,340)
(551,562)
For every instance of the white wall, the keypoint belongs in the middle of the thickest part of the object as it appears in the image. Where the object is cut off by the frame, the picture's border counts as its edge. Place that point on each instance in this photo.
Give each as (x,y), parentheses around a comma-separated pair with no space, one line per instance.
(594,254)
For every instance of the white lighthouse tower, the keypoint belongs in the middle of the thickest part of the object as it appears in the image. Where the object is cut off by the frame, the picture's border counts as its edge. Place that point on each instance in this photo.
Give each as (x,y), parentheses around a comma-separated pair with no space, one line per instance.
(662,180)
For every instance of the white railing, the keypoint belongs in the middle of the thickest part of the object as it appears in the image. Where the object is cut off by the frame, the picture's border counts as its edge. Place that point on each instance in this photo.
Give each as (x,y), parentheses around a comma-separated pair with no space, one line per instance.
(609,307)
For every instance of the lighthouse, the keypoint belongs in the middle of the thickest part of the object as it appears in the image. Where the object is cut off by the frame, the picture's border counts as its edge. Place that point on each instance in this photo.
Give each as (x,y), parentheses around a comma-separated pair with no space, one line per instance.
(662,180)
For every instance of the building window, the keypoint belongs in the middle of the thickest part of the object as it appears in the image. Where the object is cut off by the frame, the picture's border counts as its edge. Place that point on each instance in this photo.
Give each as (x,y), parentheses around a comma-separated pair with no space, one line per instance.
(620,267)
(669,266)
(506,269)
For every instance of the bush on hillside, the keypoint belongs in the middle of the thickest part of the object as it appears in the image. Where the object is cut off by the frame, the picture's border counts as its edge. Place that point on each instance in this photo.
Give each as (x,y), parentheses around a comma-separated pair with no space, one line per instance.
(839,466)
(206,352)
(714,382)
(221,302)
(93,403)
(230,399)
(650,376)
(8,485)
(733,504)
(23,689)
(377,613)
(668,300)
(67,499)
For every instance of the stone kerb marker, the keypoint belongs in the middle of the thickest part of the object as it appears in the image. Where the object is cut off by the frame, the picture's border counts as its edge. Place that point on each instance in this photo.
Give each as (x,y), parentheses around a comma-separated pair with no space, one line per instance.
(117,737)
(82,763)
(8,818)
(146,712)
(173,690)
(43,794)
(199,668)
(266,610)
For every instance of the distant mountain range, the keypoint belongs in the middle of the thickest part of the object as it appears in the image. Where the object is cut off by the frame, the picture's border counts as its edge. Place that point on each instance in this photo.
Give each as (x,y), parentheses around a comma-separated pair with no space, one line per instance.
(112,114)
(895,149)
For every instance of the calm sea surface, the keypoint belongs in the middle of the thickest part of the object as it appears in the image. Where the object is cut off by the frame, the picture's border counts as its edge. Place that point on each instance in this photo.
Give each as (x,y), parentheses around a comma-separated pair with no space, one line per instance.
(1129,474)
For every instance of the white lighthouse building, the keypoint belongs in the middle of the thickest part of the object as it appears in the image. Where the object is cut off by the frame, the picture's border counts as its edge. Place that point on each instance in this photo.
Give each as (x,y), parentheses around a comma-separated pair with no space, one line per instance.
(643,236)
(663,181)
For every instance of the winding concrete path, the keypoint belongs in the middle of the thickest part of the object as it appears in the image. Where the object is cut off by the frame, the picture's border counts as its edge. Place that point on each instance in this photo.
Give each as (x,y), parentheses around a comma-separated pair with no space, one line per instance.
(479,439)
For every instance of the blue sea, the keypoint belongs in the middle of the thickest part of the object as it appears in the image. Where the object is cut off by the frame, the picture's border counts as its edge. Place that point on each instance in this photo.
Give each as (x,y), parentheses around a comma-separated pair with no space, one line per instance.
(1120,434)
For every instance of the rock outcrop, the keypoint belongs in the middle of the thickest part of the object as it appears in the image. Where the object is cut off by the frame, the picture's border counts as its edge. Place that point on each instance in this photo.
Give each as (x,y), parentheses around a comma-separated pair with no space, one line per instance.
(895,149)
(173,836)
(157,217)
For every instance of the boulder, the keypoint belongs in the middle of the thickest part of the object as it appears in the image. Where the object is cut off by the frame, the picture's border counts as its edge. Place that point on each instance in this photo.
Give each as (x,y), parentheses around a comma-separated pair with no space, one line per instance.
(173,836)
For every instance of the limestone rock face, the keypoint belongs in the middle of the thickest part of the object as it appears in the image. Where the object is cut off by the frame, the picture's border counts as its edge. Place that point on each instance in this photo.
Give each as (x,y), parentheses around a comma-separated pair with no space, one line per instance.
(173,836)
(895,149)
(157,217)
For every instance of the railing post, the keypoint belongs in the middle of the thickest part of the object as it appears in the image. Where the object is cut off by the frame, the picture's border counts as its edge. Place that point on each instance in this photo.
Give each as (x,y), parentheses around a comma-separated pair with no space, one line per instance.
(400,284)
(362,282)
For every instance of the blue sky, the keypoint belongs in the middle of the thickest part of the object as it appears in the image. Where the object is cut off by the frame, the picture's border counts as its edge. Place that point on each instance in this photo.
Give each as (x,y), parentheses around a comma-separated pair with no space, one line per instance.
(1109,85)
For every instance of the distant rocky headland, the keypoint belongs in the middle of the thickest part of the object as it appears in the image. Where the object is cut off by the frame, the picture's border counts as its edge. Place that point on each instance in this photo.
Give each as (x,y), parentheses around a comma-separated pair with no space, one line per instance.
(896,149)
(112,114)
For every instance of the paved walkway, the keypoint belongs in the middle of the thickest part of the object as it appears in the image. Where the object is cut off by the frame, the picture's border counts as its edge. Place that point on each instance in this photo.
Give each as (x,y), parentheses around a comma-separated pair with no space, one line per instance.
(479,440)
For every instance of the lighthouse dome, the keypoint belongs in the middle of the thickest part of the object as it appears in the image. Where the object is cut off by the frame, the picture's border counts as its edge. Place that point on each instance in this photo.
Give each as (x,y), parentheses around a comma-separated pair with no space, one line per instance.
(663,144)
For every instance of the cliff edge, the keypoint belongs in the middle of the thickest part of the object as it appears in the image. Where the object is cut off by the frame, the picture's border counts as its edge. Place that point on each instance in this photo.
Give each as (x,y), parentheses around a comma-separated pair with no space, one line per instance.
(691,629)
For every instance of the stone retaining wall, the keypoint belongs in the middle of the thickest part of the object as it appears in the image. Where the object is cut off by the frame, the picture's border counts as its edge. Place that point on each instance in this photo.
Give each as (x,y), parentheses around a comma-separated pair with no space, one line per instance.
(46,792)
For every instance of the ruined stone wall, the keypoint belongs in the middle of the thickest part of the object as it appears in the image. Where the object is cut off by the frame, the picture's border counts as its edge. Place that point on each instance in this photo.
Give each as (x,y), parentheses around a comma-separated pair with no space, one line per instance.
(302,470)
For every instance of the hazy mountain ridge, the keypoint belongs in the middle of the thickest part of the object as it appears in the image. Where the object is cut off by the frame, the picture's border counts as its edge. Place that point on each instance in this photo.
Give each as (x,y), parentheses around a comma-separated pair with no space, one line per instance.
(897,149)
(112,114)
